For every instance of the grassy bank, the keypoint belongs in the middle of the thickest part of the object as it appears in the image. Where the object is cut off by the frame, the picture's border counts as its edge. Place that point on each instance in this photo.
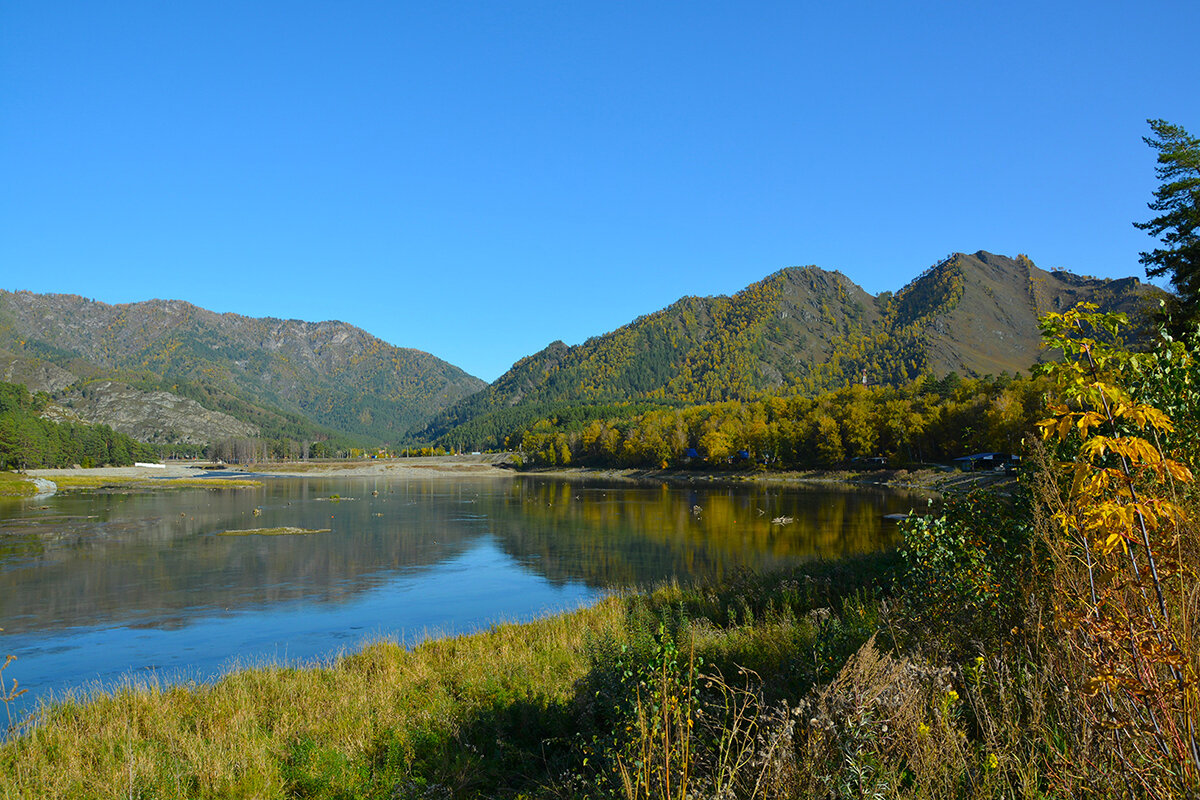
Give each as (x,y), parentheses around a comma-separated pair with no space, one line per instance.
(377,719)
(515,710)
(14,485)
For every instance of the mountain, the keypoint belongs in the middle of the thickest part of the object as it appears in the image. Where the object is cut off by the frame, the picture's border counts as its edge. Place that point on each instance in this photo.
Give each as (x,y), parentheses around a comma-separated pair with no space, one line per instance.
(197,375)
(990,324)
(800,329)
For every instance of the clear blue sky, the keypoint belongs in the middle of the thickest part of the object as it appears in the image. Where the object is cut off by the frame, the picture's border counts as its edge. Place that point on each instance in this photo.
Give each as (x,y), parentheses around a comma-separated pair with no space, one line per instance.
(479,179)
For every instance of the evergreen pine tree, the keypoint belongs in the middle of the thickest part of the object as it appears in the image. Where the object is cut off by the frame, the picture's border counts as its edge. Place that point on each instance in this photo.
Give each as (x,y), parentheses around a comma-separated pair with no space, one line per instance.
(1178,224)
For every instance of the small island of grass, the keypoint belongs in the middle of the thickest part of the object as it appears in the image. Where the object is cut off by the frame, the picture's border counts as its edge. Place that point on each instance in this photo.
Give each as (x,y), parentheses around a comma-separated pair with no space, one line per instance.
(101,482)
(282,531)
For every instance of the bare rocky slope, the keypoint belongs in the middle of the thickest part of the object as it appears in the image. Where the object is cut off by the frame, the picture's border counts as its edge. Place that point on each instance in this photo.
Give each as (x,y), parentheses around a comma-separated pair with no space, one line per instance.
(156,417)
(993,325)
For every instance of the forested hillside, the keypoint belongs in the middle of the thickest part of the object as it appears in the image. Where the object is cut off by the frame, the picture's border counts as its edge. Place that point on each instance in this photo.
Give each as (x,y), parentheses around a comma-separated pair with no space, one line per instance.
(802,330)
(28,441)
(925,420)
(284,377)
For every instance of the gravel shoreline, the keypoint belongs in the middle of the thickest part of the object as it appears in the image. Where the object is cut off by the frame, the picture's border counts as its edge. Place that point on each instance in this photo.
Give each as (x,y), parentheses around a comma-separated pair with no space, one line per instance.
(438,466)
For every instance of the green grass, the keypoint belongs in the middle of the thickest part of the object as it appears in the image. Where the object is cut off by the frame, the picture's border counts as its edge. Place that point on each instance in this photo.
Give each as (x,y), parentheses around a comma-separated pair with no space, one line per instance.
(372,721)
(13,485)
(510,711)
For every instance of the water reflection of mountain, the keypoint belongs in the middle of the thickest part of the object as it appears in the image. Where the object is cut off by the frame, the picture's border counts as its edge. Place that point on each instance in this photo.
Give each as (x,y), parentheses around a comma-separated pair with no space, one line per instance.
(141,558)
(621,536)
(155,559)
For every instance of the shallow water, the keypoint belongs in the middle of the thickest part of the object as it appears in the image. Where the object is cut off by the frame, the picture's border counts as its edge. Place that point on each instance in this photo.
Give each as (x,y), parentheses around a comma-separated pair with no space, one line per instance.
(95,588)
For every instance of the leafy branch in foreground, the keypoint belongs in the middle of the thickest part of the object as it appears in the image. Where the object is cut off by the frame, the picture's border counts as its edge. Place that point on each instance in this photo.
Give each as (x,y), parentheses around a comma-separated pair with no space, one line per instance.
(1128,617)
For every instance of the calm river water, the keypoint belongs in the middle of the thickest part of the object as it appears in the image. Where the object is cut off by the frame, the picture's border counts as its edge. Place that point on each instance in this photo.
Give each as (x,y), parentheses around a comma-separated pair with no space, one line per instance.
(98,588)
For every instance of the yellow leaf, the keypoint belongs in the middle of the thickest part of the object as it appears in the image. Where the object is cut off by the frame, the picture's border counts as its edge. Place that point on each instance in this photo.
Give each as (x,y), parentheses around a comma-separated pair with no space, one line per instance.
(1095,448)
(1111,543)
(1147,451)
(1177,471)
(1097,483)
(1147,515)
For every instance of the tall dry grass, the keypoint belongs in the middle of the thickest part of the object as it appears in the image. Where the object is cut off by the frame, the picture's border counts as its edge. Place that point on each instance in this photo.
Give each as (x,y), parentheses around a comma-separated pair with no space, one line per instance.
(369,723)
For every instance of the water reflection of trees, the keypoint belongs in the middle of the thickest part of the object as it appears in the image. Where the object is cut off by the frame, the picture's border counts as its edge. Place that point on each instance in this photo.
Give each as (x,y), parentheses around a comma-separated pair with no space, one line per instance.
(154,557)
(621,536)
(141,557)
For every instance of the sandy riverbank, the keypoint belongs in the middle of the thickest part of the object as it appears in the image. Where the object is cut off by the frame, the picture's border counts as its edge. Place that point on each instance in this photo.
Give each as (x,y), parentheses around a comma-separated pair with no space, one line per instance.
(430,467)
(437,466)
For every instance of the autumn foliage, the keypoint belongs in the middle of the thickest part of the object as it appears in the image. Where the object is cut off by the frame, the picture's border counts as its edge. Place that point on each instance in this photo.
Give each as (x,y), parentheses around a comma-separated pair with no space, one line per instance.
(1125,573)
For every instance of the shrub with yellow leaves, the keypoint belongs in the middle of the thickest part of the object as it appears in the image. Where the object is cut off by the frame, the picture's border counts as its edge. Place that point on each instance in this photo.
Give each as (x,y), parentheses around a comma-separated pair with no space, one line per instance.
(1125,583)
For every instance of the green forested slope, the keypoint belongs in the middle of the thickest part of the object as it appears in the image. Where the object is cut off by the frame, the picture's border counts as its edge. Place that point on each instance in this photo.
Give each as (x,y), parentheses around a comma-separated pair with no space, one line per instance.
(284,372)
(28,441)
(698,350)
(801,330)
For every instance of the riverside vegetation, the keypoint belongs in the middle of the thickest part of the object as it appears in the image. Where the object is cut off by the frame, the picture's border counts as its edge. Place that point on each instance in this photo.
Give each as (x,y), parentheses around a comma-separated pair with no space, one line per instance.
(1039,645)
(29,441)
(925,420)
(13,485)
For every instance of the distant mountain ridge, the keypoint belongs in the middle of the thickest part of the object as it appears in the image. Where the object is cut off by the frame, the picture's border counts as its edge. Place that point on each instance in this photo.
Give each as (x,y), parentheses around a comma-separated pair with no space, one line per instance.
(799,329)
(167,371)
(271,374)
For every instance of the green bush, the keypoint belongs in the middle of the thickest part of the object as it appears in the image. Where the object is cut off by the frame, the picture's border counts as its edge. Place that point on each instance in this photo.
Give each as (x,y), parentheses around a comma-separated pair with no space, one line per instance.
(966,571)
